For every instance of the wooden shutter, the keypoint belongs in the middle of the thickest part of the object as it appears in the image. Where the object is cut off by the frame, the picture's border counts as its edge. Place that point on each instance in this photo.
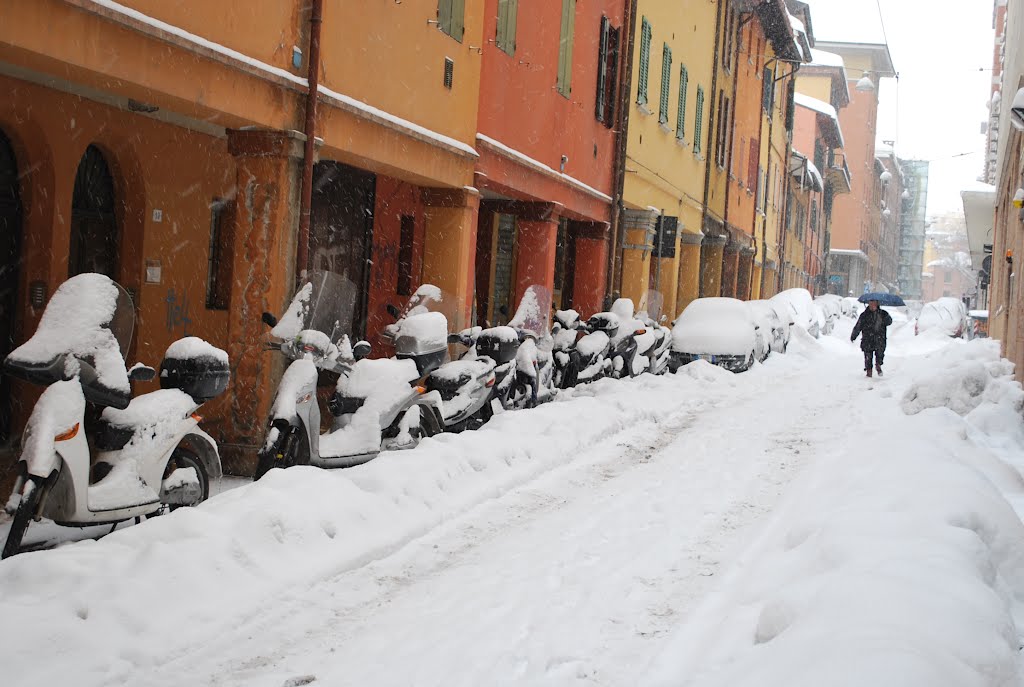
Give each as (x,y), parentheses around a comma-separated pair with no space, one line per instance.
(645,62)
(565,47)
(505,38)
(602,69)
(698,128)
(458,19)
(752,163)
(666,83)
(611,85)
(684,78)
(444,15)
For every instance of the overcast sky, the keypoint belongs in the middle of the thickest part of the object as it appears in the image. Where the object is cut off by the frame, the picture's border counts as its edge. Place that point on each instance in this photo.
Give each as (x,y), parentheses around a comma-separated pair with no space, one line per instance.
(938,47)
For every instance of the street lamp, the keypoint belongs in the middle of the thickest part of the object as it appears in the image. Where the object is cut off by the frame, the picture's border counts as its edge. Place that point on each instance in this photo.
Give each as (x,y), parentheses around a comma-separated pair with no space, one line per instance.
(865,84)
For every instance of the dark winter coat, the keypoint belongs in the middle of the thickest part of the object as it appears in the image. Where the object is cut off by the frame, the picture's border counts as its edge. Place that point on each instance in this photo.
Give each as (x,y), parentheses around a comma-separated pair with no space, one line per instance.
(871,326)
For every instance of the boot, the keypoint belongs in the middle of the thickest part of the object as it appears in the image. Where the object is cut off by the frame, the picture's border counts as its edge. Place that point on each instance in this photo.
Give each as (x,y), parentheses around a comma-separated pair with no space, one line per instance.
(868,371)
(878,368)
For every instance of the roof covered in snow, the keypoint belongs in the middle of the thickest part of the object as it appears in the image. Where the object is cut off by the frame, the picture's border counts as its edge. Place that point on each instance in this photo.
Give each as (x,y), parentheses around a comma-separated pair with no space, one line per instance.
(822,108)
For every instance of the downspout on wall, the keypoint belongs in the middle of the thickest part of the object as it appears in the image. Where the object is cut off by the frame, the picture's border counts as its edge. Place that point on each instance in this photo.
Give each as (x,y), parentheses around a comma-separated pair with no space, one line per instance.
(614,276)
(309,149)
(719,20)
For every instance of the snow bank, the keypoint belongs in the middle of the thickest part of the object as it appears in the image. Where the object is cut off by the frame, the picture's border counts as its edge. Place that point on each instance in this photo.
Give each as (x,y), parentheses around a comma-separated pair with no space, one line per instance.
(897,560)
(194,567)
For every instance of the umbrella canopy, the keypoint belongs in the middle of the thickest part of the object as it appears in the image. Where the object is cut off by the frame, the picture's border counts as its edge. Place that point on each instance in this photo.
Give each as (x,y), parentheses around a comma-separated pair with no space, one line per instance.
(889,299)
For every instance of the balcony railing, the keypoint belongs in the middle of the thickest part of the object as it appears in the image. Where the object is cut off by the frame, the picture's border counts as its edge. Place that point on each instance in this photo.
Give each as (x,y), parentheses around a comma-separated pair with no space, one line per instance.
(838,172)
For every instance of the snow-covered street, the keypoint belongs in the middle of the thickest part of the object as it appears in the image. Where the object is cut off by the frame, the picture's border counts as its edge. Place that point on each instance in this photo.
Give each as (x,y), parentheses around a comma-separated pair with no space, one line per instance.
(794,525)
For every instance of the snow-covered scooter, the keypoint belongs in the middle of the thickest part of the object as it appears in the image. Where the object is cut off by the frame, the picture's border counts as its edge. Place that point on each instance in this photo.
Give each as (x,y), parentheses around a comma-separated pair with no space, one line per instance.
(149,450)
(377,404)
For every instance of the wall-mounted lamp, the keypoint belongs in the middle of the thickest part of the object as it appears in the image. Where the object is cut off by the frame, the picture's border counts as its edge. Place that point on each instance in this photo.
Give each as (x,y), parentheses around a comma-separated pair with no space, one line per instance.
(865,85)
(885,177)
(1018,198)
(37,294)
(565,161)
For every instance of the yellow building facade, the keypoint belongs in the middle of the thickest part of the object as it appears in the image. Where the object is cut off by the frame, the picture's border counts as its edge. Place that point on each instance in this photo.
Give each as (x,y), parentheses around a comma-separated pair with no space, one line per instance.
(670,119)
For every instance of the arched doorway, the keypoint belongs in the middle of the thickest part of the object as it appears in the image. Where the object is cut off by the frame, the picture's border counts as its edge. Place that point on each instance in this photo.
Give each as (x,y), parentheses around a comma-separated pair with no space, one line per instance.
(10,269)
(94,231)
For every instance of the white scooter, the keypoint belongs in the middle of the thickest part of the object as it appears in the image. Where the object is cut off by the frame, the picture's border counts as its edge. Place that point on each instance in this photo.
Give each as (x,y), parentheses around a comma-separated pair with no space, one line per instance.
(377,404)
(149,451)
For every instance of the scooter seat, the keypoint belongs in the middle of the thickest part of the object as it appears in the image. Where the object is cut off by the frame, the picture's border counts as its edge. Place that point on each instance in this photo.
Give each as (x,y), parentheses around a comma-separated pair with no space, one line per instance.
(450,378)
(143,417)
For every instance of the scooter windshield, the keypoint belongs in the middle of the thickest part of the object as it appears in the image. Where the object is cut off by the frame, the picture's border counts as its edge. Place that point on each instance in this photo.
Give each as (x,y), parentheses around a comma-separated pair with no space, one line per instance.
(534,311)
(652,303)
(422,326)
(85,329)
(325,303)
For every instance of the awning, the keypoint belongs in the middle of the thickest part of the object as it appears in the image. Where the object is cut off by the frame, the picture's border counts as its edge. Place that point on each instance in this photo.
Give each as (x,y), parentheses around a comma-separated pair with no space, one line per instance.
(828,116)
(979,211)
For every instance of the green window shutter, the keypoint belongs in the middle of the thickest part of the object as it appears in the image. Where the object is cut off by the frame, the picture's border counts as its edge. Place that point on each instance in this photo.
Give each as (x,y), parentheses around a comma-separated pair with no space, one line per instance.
(458,19)
(666,82)
(444,16)
(684,79)
(602,69)
(645,62)
(565,47)
(506,34)
(698,127)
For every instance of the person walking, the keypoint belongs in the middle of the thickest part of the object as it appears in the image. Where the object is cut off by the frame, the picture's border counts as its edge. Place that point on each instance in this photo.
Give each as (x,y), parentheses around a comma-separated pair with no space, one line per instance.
(871,327)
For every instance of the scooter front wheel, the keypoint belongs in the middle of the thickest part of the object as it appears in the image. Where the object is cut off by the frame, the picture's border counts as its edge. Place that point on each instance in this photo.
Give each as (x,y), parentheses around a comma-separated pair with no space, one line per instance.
(30,496)
(183,460)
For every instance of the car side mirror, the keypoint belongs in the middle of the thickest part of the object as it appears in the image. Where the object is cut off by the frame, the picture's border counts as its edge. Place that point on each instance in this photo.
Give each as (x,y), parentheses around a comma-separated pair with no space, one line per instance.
(269,320)
(141,373)
(361,350)
(392,310)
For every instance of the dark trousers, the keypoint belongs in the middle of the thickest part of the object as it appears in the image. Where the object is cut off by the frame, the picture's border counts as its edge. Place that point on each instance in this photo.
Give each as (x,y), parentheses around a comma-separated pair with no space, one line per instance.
(879,356)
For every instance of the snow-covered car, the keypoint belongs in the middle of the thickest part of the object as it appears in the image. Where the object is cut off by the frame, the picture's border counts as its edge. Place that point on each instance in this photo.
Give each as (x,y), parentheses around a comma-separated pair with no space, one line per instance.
(832,306)
(787,315)
(773,331)
(721,331)
(945,314)
(803,305)
(851,307)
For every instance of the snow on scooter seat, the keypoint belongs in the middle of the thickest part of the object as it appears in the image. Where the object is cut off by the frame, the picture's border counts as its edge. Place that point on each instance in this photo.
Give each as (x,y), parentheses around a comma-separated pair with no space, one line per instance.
(75,323)
(192,347)
(383,383)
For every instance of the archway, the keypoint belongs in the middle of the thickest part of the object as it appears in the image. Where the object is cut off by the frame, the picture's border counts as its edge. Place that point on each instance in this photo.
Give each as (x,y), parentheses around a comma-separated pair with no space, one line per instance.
(10,268)
(94,230)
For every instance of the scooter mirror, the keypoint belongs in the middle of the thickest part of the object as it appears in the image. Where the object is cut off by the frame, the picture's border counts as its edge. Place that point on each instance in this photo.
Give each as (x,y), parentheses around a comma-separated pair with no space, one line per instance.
(361,350)
(269,320)
(392,310)
(142,373)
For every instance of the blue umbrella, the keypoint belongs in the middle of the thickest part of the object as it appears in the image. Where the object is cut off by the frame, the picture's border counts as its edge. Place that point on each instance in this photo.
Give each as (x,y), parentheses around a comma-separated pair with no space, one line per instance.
(889,299)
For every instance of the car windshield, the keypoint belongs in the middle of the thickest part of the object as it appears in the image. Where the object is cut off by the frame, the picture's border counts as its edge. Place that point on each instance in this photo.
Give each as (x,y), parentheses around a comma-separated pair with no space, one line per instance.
(89,319)
(325,303)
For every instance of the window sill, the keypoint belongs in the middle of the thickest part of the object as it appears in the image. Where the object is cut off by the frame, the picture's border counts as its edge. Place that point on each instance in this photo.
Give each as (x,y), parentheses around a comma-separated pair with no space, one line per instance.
(643,109)
(699,156)
(682,142)
(665,127)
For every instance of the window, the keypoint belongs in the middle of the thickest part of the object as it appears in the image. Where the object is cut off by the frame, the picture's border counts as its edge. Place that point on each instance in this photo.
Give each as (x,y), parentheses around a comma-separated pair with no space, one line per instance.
(218,274)
(407,238)
(506,35)
(947,278)
(722,141)
(666,83)
(727,44)
(790,106)
(698,127)
(449,72)
(450,17)
(645,62)
(565,47)
(607,70)
(767,90)
(684,80)
(752,163)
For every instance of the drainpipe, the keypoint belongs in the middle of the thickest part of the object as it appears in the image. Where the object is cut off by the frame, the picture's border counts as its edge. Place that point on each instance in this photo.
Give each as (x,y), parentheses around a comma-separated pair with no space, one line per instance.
(732,120)
(786,180)
(613,279)
(764,224)
(306,197)
(719,23)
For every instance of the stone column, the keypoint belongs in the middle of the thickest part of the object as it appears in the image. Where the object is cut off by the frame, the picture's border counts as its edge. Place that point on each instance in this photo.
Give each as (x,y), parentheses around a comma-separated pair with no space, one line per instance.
(591,267)
(755,282)
(665,277)
(743,273)
(263,277)
(770,279)
(536,242)
(449,250)
(711,265)
(636,253)
(689,271)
